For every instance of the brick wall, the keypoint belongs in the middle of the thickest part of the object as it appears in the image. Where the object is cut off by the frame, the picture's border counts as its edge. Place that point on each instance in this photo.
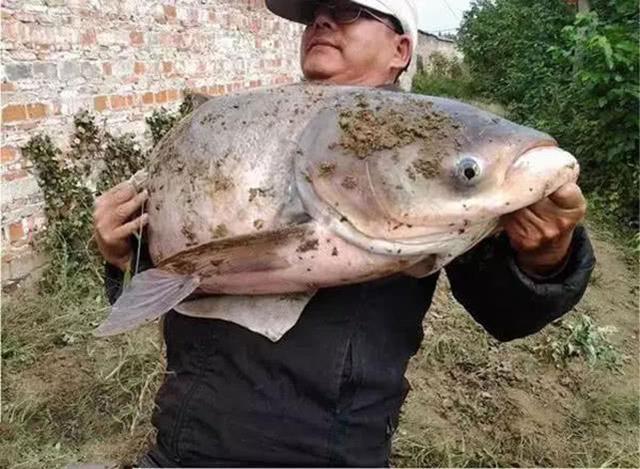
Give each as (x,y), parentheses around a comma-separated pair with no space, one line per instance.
(119,59)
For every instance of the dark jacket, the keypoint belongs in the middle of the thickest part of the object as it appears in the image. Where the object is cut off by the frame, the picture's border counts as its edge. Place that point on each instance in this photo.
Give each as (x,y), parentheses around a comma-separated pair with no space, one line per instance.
(330,391)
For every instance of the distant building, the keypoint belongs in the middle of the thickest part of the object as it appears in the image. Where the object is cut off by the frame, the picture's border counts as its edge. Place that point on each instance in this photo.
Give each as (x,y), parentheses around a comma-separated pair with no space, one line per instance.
(428,44)
(580,5)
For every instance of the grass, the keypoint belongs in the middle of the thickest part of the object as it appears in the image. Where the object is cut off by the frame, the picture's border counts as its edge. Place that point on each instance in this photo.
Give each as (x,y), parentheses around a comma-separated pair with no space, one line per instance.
(68,397)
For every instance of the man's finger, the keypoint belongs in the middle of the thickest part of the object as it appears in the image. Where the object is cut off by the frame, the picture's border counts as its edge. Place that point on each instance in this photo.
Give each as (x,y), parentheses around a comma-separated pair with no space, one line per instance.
(523,230)
(544,212)
(131,227)
(568,196)
(121,193)
(126,209)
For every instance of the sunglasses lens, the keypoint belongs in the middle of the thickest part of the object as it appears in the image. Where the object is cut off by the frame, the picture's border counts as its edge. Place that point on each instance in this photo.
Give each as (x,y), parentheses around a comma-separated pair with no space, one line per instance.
(346,14)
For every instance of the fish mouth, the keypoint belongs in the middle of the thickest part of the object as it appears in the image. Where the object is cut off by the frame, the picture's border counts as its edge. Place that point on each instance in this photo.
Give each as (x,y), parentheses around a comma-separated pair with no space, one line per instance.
(545,158)
(549,144)
(537,173)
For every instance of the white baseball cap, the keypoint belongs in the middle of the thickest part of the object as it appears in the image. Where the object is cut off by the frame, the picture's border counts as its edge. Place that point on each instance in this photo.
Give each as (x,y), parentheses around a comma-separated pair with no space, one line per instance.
(404,11)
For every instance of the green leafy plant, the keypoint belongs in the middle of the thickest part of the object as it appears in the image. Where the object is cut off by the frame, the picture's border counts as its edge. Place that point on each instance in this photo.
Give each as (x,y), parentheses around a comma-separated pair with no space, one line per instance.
(96,161)
(162,120)
(68,208)
(444,76)
(581,337)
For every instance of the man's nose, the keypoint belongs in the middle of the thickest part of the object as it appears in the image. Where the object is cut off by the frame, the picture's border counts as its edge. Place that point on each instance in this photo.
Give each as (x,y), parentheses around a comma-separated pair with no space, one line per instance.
(324,19)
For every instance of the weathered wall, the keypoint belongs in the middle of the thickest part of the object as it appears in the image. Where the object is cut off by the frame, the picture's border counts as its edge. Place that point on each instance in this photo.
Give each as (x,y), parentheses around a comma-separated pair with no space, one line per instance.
(119,59)
(427,45)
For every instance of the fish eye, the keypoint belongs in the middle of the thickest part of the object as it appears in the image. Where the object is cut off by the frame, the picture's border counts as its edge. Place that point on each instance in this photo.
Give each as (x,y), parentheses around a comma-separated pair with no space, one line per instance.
(468,171)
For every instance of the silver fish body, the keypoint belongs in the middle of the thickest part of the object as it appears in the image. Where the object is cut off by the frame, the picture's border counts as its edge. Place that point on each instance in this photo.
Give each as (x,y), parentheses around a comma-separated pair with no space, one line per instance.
(292,189)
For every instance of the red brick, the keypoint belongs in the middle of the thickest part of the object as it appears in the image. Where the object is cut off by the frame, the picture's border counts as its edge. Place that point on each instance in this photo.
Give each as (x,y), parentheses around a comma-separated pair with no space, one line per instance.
(9,31)
(16,231)
(106,69)
(15,174)
(138,68)
(117,102)
(166,39)
(136,37)
(7,154)
(14,112)
(88,37)
(147,98)
(167,67)
(7,87)
(131,100)
(169,12)
(100,103)
(172,95)
(36,110)
(161,96)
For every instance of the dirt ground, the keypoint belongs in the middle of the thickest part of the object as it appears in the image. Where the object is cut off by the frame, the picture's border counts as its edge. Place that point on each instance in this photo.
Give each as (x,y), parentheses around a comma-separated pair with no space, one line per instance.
(68,397)
(478,402)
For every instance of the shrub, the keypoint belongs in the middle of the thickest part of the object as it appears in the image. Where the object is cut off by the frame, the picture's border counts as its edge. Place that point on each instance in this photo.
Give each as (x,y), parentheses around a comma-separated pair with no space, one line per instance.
(444,76)
(95,162)
(574,76)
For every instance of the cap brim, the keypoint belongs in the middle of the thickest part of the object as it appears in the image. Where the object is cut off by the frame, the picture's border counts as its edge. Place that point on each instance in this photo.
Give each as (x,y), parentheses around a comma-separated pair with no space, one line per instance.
(294,10)
(298,10)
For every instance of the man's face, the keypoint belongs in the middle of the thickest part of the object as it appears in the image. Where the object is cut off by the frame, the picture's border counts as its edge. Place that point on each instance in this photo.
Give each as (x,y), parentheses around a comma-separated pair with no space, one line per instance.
(361,52)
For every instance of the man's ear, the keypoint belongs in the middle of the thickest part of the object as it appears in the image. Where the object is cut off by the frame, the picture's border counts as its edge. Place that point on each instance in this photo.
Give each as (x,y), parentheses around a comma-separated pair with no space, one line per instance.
(402,54)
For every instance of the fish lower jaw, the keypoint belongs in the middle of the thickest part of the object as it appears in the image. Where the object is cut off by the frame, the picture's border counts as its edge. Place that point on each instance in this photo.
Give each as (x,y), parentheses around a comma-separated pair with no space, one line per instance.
(443,242)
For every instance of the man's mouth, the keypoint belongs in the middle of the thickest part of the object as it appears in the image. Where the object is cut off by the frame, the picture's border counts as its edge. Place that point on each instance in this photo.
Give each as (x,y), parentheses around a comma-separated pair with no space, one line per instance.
(320,42)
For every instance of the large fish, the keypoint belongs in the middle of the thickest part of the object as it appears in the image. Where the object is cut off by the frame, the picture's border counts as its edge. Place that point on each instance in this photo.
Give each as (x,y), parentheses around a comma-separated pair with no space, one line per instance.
(292,189)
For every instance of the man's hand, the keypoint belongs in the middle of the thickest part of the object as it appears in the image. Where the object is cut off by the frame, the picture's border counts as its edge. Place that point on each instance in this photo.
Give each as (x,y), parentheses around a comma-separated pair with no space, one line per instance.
(541,233)
(113,222)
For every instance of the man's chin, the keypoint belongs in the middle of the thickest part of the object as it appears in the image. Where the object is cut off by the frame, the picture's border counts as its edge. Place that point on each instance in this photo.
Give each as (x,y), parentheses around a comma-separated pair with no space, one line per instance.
(318,71)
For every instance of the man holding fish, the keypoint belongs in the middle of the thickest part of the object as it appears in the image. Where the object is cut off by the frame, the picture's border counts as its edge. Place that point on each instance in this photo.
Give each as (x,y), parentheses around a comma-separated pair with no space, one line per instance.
(329,391)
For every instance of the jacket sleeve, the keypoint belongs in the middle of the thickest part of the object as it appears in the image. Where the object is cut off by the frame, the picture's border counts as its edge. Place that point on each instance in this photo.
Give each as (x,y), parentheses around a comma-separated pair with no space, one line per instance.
(508,303)
(114,277)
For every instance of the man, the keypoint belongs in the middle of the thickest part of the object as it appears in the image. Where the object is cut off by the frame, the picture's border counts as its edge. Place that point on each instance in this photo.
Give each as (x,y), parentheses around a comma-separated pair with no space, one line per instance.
(330,391)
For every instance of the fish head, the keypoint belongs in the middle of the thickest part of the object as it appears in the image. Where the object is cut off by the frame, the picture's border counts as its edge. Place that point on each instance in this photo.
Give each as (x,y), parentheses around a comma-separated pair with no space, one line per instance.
(467,164)
(406,167)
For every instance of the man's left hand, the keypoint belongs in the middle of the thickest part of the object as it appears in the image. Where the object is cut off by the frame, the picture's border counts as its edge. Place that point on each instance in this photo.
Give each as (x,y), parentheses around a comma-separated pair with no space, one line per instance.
(541,233)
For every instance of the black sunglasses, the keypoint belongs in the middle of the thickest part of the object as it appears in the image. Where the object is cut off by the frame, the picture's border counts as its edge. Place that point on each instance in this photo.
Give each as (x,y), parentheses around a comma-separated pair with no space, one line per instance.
(347,13)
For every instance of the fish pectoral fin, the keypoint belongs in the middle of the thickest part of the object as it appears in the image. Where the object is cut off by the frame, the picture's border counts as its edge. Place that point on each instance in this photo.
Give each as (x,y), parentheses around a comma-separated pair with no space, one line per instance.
(151,294)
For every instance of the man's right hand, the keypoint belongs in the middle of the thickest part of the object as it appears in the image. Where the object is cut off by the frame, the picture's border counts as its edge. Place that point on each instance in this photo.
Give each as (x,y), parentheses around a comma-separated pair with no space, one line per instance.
(114,222)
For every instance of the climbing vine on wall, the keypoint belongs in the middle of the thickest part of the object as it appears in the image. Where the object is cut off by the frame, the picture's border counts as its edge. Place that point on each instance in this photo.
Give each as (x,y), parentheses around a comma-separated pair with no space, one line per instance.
(70,181)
